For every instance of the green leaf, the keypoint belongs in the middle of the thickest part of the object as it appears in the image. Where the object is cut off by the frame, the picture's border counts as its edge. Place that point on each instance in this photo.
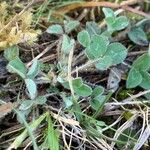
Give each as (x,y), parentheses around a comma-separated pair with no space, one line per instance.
(108,12)
(11,53)
(99,90)
(68,101)
(83,90)
(129,133)
(117,52)
(55,29)
(32,89)
(97,47)
(121,22)
(138,36)
(110,21)
(53,140)
(75,82)
(70,25)
(29,129)
(17,66)
(142,62)
(104,63)
(34,69)
(93,28)
(79,88)
(21,137)
(145,80)
(97,102)
(84,38)
(67,44)
(134,78)
(40,100)
(26,104)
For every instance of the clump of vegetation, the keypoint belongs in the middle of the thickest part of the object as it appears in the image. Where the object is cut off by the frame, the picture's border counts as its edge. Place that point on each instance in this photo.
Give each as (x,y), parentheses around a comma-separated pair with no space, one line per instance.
(68,90)
(15,28)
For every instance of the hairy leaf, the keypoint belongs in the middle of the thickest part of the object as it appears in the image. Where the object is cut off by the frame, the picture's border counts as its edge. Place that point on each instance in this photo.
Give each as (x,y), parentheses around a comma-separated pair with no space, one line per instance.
(32,89)
(99,90)
(97,102)
(84,38)
(83,90)
(55,29)
(104,63)
(34,69)
(117,52)
(108,12)
(70,25)
(67,44)
(17,66)
(134,78)
(93,28)
(11,53)
(138,36)
(97,47)
(145,80)
(120,23)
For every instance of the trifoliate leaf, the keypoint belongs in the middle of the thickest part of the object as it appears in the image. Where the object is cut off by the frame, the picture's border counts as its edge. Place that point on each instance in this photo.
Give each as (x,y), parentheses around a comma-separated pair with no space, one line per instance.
(34,69)
(97,47)
(138,36)
(11,53)
(93,28)
(17,66)
(117,52)
(55,29)
(134,78)
(32,88)
(84,38)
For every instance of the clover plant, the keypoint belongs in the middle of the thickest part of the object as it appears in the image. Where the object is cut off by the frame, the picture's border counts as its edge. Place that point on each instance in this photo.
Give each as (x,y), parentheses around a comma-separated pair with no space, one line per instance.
(15,65)
(98,48)
(139,72)
(101,51)
(113,21)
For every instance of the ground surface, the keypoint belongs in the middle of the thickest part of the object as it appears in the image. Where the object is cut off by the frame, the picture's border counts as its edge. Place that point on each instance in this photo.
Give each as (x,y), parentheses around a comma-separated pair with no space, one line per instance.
(58,90)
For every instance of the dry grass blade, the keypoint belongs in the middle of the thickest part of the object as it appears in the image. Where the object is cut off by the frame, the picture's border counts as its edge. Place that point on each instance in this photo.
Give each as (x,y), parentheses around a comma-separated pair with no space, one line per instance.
(65,120)
(126,125)
(143,139)
(124,5)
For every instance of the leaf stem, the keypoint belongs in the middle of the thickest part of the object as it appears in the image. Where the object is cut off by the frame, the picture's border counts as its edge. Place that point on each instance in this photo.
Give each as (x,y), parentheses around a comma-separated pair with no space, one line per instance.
(88,64)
